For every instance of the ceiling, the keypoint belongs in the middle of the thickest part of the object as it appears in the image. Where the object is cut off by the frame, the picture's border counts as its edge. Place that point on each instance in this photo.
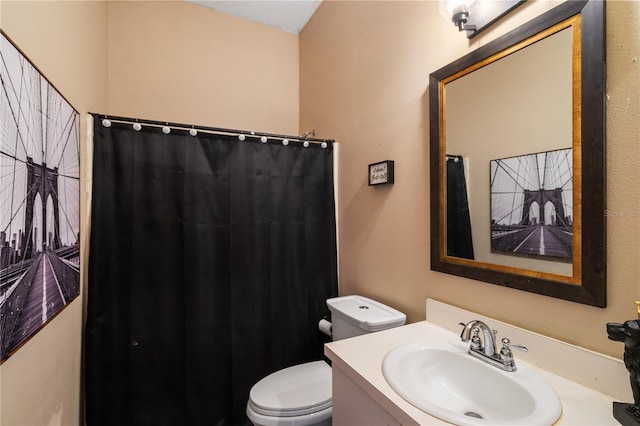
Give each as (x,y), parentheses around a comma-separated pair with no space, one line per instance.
(288,15)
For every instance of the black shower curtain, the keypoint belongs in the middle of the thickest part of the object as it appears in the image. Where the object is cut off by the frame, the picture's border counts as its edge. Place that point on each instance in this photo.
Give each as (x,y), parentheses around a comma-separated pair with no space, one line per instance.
(459,239)
(210,262)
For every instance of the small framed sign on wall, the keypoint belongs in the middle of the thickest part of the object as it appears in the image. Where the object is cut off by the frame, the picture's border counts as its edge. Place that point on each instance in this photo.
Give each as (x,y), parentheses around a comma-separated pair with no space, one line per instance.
(381,173)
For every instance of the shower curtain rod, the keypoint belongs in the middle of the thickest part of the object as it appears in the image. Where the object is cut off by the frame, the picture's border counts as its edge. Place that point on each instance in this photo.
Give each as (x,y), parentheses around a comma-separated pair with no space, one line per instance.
(187,127)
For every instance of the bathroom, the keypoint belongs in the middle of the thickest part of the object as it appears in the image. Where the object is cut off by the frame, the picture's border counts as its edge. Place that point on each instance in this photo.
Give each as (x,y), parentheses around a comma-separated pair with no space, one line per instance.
(358,73)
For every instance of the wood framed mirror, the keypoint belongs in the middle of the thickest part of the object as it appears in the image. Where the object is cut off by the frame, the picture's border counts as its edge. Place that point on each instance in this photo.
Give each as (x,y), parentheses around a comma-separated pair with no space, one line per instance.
(517,135)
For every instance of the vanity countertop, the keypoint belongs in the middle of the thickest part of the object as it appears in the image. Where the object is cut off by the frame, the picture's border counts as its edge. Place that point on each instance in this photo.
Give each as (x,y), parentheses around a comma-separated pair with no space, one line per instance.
(360,358)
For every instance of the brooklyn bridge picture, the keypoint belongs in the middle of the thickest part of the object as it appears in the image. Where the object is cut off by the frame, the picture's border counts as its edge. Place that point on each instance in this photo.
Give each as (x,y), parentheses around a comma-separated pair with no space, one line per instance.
(39,201)
(532,205)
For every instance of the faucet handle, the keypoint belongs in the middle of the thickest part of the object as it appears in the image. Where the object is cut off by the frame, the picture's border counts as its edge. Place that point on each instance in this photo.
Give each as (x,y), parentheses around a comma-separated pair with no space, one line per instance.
(506,344)
(506,356)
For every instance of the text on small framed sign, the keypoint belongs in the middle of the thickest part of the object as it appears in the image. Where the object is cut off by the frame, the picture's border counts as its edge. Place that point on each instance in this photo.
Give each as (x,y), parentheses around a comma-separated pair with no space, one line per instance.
(381,173)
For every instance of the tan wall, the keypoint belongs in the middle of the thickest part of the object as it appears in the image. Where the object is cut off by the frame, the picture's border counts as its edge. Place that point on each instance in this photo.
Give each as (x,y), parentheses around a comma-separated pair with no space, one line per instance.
(168,61)
(174,61)
(40,384)
(364,70)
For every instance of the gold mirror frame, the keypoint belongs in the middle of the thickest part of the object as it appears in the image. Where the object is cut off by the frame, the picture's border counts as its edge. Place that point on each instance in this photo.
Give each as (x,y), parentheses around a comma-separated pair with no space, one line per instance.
(587,284)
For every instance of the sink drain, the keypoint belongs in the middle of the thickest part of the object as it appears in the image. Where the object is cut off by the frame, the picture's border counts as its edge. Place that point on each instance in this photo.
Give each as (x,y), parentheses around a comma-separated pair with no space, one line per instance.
(473,414)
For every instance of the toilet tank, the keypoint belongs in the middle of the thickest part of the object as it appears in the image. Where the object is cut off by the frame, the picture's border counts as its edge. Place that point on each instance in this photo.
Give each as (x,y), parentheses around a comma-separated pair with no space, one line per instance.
(356,315)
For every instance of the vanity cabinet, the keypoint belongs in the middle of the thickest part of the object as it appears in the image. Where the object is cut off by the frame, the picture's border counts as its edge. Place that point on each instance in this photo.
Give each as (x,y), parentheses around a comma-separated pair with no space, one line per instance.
(586,382)
(352,406)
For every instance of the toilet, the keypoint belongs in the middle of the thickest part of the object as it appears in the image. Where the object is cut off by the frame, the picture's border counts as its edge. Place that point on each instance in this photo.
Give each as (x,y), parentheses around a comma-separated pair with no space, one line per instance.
(301,395)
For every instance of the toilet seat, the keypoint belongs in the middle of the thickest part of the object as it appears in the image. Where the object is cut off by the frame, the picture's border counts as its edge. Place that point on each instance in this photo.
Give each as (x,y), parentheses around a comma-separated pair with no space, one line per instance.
(294,391)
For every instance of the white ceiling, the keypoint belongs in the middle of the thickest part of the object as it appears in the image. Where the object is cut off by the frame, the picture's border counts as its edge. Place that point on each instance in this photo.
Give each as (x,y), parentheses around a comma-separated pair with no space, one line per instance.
(288,15)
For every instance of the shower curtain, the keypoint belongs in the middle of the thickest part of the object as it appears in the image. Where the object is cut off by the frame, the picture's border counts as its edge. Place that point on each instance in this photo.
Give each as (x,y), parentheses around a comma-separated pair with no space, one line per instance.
(210,262)
(459,239)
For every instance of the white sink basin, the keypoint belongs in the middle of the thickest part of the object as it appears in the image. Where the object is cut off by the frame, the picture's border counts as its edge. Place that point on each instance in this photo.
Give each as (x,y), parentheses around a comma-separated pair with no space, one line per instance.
(446,382)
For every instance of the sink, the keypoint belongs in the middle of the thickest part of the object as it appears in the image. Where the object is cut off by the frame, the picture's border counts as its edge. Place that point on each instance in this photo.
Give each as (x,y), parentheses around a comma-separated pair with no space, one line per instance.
(443,380)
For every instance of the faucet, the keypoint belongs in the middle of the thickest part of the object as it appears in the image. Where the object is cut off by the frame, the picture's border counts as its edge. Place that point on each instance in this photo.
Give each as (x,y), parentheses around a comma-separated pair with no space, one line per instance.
(489,346)
(486,349)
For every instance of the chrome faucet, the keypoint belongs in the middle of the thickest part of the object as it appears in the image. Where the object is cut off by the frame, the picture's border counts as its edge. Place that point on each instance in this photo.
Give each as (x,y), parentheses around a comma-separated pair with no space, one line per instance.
(486,349)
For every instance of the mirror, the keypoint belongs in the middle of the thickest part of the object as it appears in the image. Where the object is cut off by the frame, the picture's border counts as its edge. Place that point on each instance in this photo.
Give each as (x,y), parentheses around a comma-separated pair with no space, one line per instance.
(517,158)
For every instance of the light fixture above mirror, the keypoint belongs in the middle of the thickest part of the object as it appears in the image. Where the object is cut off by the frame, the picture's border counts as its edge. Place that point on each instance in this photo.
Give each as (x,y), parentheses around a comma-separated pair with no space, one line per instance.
(459,11)
(473,16)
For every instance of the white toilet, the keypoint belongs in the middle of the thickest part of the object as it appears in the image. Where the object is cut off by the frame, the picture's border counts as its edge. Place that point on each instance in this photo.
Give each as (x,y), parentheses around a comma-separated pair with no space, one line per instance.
(301,395)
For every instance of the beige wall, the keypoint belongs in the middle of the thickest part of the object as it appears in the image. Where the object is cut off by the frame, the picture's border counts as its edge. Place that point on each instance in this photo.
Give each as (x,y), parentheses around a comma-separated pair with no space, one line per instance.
(40,384)
(168,61)
(364,70)
(174,61)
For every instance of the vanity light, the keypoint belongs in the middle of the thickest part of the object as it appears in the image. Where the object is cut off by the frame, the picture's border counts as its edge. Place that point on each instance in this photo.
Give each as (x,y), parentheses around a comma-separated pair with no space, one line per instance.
(473,16)
(459,10)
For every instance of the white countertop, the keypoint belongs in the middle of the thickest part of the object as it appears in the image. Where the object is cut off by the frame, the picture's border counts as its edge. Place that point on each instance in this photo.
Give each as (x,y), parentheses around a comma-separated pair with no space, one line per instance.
(360,358)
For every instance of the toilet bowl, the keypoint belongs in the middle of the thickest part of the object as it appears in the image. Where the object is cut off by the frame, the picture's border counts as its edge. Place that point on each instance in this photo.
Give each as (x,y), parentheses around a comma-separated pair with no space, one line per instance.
(298,395)
(301,395)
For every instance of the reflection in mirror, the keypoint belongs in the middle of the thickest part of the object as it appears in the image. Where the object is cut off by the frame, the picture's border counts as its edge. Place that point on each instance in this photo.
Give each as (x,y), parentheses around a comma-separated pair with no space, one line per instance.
(517,131)
(459,236)
(490,98)
(532,205)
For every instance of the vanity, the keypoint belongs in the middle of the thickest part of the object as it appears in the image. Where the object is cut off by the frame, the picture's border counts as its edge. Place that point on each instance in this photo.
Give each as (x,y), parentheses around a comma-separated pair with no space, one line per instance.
(587,383)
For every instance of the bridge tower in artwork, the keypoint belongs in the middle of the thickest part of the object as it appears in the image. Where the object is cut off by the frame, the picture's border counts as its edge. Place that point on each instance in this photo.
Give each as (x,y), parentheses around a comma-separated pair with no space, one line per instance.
(42,181)
(542,197)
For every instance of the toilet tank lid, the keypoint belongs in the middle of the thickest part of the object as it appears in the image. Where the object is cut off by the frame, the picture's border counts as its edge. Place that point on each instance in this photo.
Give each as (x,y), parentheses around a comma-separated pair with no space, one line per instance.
(365,313)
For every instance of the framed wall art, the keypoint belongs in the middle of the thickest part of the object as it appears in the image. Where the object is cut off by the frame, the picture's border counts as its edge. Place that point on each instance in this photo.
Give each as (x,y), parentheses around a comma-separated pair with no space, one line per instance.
(532,205)
(39,200)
